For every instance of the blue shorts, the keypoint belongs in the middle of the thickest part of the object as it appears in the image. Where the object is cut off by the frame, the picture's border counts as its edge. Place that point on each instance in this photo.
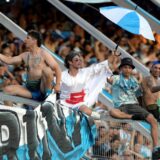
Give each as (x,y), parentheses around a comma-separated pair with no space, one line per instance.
(37,95)
(34,87)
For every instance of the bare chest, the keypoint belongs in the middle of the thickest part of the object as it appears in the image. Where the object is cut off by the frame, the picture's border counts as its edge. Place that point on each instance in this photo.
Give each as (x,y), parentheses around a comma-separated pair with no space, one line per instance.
(35,62)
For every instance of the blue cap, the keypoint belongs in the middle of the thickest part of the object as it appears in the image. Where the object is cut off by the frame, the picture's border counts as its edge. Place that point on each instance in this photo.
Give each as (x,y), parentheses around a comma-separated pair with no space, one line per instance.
(155,62)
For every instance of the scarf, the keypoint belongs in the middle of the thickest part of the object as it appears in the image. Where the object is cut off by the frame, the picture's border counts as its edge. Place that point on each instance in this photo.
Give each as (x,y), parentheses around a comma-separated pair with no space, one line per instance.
(130,84)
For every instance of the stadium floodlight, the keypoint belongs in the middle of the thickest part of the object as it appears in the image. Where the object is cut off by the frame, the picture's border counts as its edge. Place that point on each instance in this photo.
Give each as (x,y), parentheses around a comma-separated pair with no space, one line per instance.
(7,2)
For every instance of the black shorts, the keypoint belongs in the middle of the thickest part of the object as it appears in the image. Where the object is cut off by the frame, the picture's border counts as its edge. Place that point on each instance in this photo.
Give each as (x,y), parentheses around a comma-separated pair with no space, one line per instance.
(134,109)
(154,109)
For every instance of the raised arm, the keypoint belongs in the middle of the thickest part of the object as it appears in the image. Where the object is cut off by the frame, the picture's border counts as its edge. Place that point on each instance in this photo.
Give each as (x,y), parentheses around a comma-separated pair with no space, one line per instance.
(98,54)
(96,69)
(11,60)
(110,80)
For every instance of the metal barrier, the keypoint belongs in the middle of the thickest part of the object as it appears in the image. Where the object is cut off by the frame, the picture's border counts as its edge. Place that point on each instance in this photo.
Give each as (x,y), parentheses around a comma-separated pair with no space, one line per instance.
(120,140)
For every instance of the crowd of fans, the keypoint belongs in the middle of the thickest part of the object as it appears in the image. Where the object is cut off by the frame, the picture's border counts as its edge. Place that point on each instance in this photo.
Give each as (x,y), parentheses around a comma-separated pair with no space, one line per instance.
(118,141)
(61,36)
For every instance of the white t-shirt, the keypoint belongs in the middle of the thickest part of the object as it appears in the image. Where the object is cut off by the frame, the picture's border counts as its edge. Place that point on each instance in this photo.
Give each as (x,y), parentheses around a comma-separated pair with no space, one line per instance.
(88,82)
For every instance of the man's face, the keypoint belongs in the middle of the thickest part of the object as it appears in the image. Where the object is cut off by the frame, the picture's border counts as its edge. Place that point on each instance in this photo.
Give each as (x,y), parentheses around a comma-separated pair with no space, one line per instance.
(76,62)
(7,52)
(29,41)
(102,131)
(127,155)
(155,70)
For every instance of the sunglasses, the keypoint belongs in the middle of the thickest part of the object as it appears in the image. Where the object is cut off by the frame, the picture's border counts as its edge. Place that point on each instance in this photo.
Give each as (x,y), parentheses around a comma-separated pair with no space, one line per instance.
(76,59)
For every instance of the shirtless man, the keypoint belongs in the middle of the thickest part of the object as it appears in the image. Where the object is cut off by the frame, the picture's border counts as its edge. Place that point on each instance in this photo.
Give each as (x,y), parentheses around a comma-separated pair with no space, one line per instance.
(40,66)
(151,89)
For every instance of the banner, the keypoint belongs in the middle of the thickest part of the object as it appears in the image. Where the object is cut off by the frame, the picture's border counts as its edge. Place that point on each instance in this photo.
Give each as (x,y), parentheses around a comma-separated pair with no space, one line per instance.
(49,132)
(90,1)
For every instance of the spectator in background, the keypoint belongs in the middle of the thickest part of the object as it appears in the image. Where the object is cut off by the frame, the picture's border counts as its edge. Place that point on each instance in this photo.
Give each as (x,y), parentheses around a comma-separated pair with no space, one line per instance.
(6,77)
(125,89)
(79,31)
(15,43)
(64,51)
(102,145)
(89,53)
(142,150)
(127,155)
(52,40)
(115,144)
(39,74)
(6,50)
(125,137)
(148,64)
(151,88)
(101,51)
(115,156)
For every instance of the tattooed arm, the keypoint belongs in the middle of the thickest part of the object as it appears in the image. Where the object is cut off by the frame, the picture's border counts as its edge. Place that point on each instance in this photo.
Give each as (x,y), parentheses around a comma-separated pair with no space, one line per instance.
(150,85)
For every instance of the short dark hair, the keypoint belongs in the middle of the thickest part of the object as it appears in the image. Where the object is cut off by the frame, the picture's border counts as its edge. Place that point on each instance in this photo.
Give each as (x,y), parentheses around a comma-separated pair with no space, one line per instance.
(4,46)
(35,34)
(69,57)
